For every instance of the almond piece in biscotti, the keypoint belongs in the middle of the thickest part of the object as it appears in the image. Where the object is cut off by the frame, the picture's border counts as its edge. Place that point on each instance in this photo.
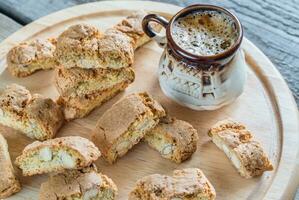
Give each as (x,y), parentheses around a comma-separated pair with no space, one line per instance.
(57,155)
(174,139)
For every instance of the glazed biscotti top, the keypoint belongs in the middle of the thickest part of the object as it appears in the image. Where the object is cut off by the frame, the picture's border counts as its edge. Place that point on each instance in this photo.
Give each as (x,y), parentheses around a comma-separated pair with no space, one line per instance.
(22,107)
(253,159)
(184,184)
(72,152)
(122,114)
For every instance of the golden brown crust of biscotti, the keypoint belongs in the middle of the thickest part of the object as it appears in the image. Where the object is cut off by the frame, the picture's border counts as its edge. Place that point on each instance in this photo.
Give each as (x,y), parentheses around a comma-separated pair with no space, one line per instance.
(119,119)
(77,103)
(180,139)
(70,82)
(115,50)
(83,149)
(84,46)
(254,160)
(9,184)
(81,184)
(22,107)
(186,184)
(29,57)
(131,26)
(77,43)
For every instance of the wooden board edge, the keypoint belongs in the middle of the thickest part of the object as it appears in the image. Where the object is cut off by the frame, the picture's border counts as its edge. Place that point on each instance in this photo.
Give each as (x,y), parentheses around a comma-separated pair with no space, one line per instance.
(286,180)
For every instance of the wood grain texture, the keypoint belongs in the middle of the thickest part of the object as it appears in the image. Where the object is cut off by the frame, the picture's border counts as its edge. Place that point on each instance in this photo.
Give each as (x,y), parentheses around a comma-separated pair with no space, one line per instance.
(271,25)
(7,26)
(273,116)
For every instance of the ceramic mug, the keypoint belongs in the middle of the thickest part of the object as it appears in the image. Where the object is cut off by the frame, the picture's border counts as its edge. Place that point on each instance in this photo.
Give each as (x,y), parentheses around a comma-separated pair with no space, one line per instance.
(196,81)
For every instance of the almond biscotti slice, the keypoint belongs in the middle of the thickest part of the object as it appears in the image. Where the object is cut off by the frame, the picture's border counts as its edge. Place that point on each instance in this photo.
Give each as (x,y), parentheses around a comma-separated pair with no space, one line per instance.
(246,154)
(34,115)
(82,184)
(174,139)
(82,90)
(132,27)
(9,184)
(84,46)
(29,57)
(79,47)
(125,124)
(56,155)
(185,184)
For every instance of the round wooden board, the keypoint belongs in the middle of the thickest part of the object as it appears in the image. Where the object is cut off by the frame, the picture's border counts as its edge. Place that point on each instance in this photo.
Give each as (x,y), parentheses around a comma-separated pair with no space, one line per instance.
(266,107)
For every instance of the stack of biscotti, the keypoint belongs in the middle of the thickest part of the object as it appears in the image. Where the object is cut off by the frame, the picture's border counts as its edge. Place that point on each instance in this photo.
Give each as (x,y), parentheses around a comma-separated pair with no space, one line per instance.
(69,160)
(95,66)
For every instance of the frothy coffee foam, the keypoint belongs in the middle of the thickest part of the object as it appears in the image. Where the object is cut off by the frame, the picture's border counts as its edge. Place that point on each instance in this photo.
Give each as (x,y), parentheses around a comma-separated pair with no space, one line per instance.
(204,33)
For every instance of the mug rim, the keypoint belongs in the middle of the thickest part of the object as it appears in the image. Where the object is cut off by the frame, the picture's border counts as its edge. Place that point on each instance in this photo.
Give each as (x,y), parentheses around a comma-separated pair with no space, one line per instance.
(208,58)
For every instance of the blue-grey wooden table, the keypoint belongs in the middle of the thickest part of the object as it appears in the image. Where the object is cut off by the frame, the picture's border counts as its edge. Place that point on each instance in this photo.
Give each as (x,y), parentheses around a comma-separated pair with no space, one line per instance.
(272,25)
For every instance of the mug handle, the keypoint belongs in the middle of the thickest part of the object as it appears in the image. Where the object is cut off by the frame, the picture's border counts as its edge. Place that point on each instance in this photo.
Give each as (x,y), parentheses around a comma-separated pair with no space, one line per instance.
(150,32)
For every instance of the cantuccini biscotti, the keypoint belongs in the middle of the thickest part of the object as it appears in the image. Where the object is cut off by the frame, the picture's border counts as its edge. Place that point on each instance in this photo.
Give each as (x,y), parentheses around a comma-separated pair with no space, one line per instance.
(131,26)
(78,46)
(29,57)
(185,184)
(85,47)
(81,90)
(246,154)
(57,155)
(84,184)
(34,115)
(125,124)
(93,74)
(174,139)
(9,184)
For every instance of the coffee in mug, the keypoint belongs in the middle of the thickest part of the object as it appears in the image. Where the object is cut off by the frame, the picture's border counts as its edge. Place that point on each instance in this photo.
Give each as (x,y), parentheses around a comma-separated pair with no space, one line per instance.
(202,66)
(204,33)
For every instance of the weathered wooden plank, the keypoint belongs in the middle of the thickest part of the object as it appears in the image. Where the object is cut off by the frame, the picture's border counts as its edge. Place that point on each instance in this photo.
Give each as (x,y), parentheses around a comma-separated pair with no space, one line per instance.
(7,26)
(25,11)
